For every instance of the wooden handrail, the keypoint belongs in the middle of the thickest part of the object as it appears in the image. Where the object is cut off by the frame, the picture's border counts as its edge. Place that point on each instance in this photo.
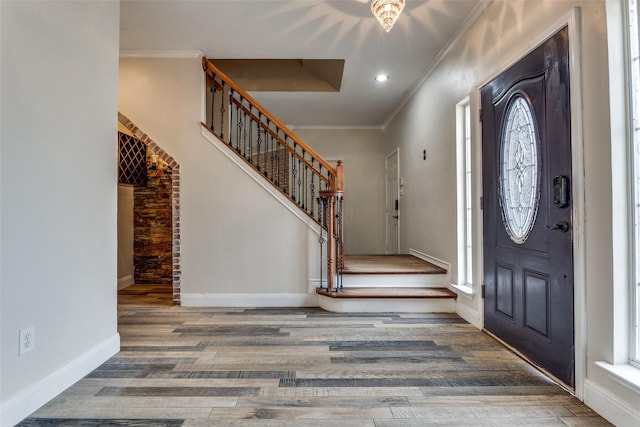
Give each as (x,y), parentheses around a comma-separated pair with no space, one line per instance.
(207,65)
(281,141)
(252,125)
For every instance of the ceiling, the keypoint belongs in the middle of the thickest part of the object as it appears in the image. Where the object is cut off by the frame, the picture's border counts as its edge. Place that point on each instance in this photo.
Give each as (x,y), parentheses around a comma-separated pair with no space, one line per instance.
(306,29)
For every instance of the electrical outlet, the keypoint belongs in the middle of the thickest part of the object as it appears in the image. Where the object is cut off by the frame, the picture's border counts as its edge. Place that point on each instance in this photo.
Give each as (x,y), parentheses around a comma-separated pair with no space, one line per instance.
(27,340)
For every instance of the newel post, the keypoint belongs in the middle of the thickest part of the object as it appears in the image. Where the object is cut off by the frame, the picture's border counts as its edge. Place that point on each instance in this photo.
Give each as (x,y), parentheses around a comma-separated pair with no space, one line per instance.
(334,225)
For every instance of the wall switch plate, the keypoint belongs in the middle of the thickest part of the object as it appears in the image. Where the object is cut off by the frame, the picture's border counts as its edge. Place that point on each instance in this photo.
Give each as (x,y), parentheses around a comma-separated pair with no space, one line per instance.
(27,340)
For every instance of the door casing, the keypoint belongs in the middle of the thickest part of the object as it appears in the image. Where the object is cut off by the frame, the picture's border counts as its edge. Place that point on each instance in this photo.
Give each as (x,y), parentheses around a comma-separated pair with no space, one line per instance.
(392,247)
(571,20)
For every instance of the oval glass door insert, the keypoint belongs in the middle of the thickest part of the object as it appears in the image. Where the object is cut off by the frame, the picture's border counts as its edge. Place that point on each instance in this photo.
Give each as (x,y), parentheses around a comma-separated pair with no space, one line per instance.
(519,178)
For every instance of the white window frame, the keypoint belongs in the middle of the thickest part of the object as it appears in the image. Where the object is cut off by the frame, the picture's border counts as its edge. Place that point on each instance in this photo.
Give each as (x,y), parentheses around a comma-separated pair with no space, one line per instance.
(464,174)
(633,70)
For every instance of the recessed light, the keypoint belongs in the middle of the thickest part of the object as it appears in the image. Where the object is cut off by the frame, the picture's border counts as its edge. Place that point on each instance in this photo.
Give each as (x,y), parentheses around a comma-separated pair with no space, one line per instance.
(382,77)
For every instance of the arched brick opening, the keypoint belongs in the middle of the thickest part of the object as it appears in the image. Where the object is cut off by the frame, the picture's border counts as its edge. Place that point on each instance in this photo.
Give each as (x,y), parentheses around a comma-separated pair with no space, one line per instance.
(175,201)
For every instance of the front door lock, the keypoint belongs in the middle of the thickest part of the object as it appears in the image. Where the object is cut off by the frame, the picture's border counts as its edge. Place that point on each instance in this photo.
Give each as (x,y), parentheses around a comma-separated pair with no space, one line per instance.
(562,226)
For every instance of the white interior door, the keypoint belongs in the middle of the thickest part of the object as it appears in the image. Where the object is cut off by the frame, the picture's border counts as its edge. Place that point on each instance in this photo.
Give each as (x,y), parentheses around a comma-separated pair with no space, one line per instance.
(392,208)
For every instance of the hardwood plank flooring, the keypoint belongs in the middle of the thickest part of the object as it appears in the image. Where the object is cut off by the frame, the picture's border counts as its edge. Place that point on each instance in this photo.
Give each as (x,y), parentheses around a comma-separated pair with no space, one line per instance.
(284,367)
(389,264)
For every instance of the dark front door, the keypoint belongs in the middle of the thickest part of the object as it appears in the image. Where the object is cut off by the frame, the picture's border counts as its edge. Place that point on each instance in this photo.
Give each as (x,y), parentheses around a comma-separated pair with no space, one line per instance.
(528,248)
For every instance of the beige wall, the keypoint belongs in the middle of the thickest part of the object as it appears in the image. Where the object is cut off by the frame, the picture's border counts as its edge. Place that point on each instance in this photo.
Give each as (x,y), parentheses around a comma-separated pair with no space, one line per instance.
(235,237)
(506,31)
(59,195)
(362,151)
(125,231)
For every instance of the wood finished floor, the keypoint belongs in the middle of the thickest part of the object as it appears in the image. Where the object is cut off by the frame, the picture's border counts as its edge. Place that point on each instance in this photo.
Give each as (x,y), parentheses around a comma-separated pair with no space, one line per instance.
(305,367)
(389,264)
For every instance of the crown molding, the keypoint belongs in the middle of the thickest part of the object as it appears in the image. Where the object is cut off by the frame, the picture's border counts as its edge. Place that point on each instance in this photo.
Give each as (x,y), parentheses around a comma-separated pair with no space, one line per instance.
(335,127)
(164,54)
(453,41)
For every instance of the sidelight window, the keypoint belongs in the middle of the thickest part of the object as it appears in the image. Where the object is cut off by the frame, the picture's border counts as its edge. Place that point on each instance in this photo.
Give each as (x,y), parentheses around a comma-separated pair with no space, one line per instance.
(634,62)
(465,211)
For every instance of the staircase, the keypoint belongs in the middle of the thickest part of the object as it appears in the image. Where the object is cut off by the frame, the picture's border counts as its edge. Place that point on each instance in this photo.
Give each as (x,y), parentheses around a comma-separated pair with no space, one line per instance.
(389,283)
(365,283)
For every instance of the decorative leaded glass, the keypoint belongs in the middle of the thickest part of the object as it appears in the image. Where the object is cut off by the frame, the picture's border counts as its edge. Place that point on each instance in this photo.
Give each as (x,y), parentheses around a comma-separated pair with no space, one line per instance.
(519,170)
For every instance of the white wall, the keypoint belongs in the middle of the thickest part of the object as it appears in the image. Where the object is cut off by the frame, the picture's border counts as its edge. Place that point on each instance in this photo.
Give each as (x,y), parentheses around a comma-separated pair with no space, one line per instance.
(125,234)
(506,31)
(58,199)
(236,239)
(362,151)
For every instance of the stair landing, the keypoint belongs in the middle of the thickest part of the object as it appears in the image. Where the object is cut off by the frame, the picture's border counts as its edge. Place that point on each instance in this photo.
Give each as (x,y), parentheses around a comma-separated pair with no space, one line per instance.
(389,264)
(390,283)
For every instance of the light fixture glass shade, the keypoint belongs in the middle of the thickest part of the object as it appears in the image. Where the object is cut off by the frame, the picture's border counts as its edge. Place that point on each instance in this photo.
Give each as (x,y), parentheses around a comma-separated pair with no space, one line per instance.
(387,12)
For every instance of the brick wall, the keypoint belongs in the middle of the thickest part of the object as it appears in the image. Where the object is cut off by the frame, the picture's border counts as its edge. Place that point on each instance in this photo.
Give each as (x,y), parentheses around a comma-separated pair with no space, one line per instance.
(175,200)
(152,232)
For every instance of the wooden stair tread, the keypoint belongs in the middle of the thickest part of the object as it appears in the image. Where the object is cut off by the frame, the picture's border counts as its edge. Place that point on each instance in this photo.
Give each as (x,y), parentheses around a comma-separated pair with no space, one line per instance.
(389,264)
(389,292)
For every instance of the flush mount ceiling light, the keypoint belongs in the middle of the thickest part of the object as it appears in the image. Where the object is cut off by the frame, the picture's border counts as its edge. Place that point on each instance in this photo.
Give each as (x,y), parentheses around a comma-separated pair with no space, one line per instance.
(387,12)
(382,77)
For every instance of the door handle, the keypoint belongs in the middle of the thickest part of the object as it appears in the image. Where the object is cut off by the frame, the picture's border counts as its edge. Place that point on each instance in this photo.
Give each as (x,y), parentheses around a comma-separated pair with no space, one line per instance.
(562,226)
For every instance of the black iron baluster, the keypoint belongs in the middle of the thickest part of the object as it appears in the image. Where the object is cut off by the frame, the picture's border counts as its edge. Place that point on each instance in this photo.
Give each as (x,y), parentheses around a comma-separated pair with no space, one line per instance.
(303,178)
(278,148)
(250,133)
(244,133)
(231,108)
(267,166)
(259,140)
(213,100)
(239,126)
(222,111)
(319,188)
(287,166)
(293,172)
(313,186)
(299,182)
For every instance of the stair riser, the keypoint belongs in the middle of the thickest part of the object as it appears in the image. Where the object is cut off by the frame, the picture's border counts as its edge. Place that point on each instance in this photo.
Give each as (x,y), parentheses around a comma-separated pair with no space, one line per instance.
(386,305)
(395,280)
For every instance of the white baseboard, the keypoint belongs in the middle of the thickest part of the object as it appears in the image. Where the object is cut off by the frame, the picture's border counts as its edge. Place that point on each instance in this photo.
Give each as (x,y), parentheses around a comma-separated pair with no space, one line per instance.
(33,397)
(468,314)
(609,407)
(433,260)
(316,283)
(249,300)
(126,281)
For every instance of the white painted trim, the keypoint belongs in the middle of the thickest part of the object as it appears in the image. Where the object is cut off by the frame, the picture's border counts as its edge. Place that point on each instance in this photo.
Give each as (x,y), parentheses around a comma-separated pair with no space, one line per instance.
(161,54)
(573,21)
(386,305)
(433,260)
(249,300)
(316,283)
(453,41)
(470,315)
(609,406)
(126,281)
(395,280)
(396,152)
(464,290)
(577,166)
(33,397)
(625,374)
(260,180)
